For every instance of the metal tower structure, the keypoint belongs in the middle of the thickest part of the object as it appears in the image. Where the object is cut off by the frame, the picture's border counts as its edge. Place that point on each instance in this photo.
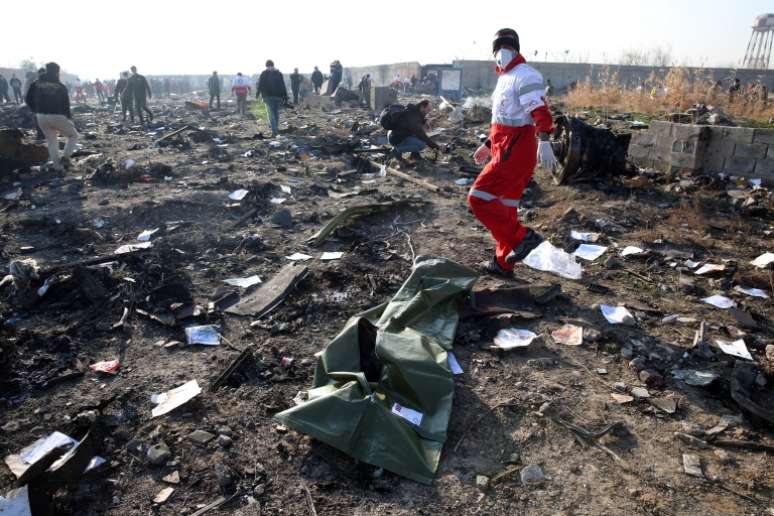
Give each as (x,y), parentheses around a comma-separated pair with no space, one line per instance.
(758,52)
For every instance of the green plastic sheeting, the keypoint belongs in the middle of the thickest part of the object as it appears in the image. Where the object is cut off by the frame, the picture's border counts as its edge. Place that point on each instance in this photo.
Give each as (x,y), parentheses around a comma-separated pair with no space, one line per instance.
(383,388)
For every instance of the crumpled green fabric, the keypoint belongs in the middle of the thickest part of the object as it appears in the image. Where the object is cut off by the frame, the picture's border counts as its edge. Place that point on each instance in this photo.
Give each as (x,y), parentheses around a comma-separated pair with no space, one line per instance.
(393,356)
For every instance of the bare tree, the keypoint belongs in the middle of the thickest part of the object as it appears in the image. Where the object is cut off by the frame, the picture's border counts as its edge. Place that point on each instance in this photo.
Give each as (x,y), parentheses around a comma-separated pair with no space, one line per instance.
(635,57)
(662,56)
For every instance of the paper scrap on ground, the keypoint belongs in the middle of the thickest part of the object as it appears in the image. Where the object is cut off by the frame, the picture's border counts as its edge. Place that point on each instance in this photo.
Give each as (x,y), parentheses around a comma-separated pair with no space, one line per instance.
(206,335)
(129,248)
(584,237)
(631,249)
(752,292)
(617,314)
(691,264)
(548,258)
(285,189)
(277,200)
(299,257)
(454,365)
(238,195)
(412,416)
(589,252)
(710,267)
(763,260)
(41,447)
(737,348)
(170,400)
(331,256)
(463,181)
(249,281)
(511,338)
(146,235)
(106,366)
(719,302)
(569,335)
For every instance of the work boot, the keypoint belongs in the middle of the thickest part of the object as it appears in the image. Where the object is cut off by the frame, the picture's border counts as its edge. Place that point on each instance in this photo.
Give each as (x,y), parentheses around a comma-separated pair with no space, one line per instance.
(494,268)
(526,246)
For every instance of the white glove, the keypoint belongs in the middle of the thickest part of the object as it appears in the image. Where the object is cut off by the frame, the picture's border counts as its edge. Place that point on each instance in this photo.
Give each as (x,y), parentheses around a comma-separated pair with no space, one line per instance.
(482,154)
(545,156)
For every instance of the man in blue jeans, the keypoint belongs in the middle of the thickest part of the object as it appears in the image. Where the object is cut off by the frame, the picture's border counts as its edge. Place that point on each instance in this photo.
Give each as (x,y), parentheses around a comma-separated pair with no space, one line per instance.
(271,87)
(408,134)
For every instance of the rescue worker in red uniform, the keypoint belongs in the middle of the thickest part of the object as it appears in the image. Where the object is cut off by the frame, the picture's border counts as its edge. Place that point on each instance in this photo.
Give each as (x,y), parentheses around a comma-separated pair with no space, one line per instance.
(519,115)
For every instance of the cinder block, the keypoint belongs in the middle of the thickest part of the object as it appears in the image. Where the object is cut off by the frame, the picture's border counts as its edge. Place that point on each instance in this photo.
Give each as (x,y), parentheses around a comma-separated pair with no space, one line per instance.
(764,136)
(682,160)
(737,165)
(714,163)
(659,127)
(764,167)
(684,146)
(690,132)
(751,150)
(643,139)
(638,153)
(735,134)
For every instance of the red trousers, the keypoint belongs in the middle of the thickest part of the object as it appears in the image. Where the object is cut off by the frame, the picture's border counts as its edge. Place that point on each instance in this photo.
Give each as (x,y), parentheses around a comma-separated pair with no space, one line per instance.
(496,193)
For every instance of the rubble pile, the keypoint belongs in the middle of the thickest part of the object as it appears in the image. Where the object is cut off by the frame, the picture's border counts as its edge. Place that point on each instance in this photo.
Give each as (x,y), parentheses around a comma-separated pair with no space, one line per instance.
(197,318)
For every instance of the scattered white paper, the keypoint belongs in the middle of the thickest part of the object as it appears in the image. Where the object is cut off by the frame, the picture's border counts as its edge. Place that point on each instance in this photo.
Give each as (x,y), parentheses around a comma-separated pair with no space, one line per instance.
(630,250)
(756,181)
(719,302)
(243,282)
(691,264)
(752,292)
(42,446)
(146,235)
(454,365)
(763,260)
(277,200)
(584,237)
(710,267)
(129,248)
(617,314)
(331,256)
(238,195)
(548,258)
(412,416)
(589,252)
(463,181)
(569,335)
(511,338)
(299,257)
(170,400)
(46,285)
(737,348)
(206,335)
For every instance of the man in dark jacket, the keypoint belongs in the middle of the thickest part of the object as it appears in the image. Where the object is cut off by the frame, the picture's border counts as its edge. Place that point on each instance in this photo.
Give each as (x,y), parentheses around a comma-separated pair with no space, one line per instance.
(122,94)
(139,91)
(4,98)
(214,85)
(409,133)
(271,87)
(317,80)
(49,100)
(365,89)
(295,84)
(16,85)
(337,71)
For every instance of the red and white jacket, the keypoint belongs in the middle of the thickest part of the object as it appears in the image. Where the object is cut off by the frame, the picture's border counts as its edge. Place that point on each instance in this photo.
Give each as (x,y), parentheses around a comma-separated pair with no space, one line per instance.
(240,85)
(519,97)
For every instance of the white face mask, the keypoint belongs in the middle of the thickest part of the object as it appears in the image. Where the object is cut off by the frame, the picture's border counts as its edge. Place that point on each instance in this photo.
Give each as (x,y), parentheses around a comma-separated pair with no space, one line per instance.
(504,56)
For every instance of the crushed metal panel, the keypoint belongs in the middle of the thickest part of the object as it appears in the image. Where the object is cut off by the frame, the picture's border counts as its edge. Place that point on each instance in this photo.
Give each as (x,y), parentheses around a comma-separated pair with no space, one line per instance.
(270,293)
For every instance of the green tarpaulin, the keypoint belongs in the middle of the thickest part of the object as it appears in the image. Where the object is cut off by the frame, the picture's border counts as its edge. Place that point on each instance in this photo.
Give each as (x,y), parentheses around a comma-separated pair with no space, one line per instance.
(383,388)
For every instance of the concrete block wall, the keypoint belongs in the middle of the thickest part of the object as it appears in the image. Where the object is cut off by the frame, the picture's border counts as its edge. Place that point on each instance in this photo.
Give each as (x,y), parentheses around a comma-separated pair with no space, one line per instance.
(734,151)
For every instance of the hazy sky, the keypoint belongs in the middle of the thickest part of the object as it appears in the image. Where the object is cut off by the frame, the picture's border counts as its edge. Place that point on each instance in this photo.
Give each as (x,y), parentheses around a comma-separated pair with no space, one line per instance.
(99,39)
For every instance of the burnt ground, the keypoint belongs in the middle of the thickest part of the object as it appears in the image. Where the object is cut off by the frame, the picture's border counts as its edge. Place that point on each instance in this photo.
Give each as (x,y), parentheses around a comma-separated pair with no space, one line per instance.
(501,420)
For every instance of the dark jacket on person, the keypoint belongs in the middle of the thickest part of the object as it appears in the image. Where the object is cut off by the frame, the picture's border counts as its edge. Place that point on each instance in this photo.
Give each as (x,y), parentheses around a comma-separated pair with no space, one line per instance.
(120,89)
(214,85)
(295,81)
(411,122)
(16,83)
(272,84)
(317,78)
(3,84)
(48,97)
(137,87)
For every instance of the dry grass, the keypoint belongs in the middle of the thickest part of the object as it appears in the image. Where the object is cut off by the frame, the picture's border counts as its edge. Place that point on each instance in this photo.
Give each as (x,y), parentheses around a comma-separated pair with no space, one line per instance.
(674,93)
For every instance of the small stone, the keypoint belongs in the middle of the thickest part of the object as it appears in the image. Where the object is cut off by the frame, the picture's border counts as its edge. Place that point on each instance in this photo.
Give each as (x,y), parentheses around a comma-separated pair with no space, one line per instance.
(640,393)
(591,335)
(619,387)
(638,363)
(667,405)
(225,430)
(482,482)
(627,352)
(770,352)
(281,429)
(172,478)
(225,441)
(692,465)
(11,426)
(163,495)
(200,436)
(601,370)
(651,378)
(515,458)
(532,474)
(621,399)
(158,454)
